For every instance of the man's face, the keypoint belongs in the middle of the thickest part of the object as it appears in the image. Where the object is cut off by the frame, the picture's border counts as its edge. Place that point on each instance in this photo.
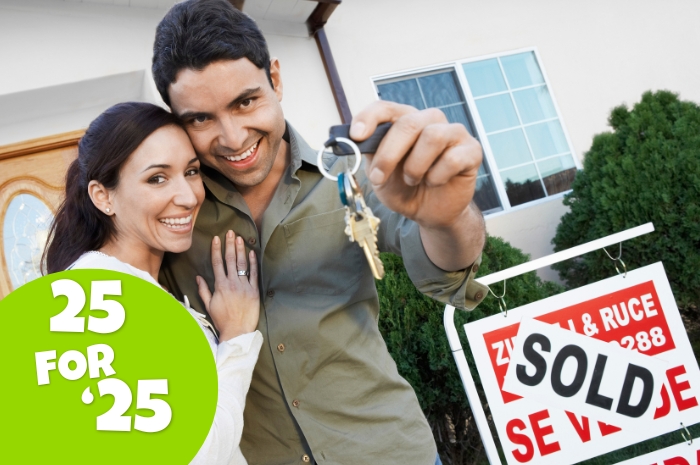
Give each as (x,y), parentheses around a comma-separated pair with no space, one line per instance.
(233,117)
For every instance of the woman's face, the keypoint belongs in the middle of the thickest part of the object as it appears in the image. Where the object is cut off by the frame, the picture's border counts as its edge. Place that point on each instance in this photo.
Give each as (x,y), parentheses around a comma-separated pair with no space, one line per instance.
(159,193)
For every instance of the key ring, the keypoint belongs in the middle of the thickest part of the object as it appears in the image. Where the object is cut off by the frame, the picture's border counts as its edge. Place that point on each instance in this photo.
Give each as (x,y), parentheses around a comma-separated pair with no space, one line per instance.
(333,141)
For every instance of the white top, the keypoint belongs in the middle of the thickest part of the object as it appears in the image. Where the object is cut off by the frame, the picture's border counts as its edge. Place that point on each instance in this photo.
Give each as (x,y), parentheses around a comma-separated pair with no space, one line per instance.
(235,360)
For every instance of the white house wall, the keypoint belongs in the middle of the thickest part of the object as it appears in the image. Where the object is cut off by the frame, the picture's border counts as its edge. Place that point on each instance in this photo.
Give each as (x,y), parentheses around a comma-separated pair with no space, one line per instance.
(597,54)
(51,47)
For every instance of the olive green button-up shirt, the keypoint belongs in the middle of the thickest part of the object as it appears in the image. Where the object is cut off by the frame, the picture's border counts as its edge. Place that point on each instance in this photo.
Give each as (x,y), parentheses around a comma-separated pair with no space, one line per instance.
(325,387)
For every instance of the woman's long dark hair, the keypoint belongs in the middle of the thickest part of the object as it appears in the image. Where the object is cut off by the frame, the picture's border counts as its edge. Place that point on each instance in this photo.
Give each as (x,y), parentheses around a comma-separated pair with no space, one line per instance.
(107,144)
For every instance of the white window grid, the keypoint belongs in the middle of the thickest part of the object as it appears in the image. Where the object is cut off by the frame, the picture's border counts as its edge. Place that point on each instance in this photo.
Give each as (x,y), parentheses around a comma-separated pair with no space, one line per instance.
(494,171)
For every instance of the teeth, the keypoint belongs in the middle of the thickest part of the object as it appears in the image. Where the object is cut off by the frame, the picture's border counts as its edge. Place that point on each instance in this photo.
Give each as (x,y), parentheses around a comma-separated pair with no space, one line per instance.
(177,223)
(245,154)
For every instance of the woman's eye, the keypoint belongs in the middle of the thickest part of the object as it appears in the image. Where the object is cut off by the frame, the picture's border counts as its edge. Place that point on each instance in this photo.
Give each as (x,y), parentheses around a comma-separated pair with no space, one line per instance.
(247,102)
(157,179)
(192,172)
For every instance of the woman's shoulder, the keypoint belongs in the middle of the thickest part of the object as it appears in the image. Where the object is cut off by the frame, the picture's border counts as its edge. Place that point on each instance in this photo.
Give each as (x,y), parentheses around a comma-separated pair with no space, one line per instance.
(98,260)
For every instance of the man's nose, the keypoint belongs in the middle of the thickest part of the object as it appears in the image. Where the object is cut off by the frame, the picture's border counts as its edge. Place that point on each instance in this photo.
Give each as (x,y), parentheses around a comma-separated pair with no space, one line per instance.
(232,133)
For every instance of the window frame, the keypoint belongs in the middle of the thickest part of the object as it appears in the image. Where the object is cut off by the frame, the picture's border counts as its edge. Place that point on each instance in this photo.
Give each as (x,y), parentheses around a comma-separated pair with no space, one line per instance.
(457,68)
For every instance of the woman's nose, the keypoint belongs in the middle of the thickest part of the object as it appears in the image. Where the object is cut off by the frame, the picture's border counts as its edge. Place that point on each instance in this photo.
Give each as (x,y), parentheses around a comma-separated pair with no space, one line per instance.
(185,195)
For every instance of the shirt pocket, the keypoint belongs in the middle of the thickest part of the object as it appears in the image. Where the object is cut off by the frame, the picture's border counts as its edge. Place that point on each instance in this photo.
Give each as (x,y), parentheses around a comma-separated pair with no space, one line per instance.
(324,261)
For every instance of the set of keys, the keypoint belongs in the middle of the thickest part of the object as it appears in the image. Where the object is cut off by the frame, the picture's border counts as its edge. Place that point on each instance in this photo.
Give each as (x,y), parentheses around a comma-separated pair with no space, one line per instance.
(361,225)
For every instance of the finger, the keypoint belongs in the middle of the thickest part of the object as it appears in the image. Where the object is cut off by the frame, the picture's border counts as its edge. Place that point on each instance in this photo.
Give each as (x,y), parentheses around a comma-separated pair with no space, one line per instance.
(398,142)
(365,122)
(230,253)
(432,142)
(460,160)
(204,292)
(253,271)
(240,253)
(217,263)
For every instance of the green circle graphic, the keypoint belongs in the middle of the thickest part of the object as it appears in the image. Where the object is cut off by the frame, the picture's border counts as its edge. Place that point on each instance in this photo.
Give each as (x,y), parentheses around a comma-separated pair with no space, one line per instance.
(57,422)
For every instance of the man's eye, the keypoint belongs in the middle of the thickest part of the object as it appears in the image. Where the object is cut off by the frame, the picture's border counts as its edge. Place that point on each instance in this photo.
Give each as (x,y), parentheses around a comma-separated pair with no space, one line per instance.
(157,179)
(199,119)
(192,172)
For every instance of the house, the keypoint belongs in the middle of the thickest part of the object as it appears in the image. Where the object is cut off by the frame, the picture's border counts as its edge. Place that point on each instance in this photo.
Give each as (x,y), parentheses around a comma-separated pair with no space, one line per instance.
(534,81)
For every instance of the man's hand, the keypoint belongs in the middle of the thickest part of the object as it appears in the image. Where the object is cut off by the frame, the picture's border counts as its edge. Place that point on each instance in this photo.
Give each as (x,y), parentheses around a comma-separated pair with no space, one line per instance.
(425,169)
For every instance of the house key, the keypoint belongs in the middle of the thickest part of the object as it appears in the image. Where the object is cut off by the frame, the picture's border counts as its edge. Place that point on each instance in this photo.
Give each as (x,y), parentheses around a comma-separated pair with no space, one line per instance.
(361,224)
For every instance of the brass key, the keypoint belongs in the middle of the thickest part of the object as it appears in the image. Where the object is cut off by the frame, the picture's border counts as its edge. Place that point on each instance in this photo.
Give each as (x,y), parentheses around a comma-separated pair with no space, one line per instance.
(361,224)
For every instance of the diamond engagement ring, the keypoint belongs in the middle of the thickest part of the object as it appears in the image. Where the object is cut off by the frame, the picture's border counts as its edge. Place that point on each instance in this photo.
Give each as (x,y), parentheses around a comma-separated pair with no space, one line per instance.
(243,273)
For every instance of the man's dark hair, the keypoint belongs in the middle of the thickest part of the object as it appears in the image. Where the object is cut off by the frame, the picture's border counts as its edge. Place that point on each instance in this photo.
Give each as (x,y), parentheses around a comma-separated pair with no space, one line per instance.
(196,33)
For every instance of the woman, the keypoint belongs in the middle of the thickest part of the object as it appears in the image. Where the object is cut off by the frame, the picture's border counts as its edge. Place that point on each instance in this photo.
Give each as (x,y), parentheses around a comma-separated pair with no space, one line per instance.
(133,194)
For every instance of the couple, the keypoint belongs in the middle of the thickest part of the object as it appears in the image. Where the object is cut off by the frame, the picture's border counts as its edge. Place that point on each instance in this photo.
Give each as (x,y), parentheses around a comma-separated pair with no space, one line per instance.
(324,389)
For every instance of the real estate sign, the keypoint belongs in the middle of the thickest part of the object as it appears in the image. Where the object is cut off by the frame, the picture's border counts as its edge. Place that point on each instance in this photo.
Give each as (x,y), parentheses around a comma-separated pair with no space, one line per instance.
(601,367)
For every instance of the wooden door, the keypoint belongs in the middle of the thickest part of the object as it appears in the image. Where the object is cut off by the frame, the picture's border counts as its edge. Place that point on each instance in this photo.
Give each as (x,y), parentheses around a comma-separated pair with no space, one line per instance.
(32,177)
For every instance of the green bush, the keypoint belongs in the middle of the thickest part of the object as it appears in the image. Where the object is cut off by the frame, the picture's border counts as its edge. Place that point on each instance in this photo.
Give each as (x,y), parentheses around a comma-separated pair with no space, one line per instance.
(646,169)
(412,326)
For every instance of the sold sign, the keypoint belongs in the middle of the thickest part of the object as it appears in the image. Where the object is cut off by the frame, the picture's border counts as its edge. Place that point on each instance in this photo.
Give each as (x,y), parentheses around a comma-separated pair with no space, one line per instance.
(562,369)
(102,367)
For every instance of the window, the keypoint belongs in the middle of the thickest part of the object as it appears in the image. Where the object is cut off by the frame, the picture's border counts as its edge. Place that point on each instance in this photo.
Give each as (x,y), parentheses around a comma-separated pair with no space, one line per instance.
(504,101)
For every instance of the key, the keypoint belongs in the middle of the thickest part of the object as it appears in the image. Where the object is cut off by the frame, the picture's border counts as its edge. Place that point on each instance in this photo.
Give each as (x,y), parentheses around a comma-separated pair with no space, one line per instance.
(361,224)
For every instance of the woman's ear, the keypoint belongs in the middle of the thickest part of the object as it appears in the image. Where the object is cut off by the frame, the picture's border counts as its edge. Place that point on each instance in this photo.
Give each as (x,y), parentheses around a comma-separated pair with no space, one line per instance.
(100,197)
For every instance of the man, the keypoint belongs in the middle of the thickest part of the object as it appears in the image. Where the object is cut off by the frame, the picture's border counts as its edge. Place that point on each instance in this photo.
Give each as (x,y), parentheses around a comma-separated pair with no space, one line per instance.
(325,389)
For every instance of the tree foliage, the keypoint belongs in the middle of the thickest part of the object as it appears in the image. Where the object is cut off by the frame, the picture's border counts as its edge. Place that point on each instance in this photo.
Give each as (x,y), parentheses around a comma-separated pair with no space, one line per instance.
(412,326)
(646,169)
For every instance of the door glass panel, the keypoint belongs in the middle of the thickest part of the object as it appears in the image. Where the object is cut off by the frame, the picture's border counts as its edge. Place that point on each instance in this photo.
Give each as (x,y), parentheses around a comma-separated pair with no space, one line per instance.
(484,77)
(497,112)
(25,230)
(509,148)
(534,104)
(522,70)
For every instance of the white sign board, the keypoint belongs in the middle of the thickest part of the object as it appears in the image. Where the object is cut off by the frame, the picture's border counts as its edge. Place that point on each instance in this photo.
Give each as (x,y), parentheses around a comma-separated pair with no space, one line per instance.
(680,454)
(558,368)
(638,313)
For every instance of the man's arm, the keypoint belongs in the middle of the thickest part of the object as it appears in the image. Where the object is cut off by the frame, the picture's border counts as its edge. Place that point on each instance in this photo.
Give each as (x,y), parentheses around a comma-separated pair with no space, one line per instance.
(426,169)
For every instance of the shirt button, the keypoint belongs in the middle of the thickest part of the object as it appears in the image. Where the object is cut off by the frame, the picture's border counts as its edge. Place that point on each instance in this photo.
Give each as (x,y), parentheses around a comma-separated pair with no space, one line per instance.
(305,458)
(475,268)
(478,296)
(252,241)
(270,293)
(295,403)
(280,347)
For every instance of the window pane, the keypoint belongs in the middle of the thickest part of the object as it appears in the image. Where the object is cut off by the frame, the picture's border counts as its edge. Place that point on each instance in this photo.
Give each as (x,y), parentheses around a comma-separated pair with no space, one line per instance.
(25,230)
(547,139)
(534,104)
(458,114)
(558,173)
(522,184)
(484,77)
(486,197)
(402,92)
(439,89)
(522,70)
(497,112)
(509,148)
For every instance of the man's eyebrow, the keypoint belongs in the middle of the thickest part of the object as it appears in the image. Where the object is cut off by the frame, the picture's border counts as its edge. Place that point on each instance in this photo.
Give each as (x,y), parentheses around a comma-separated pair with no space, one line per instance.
(246,94)
(190,115)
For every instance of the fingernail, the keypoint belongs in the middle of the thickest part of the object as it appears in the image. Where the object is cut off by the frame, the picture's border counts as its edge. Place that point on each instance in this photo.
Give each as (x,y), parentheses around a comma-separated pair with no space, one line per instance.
(216,239)
(409,180)
(357,130)
(239,240)
(229,233)
(197,279)
(376,176)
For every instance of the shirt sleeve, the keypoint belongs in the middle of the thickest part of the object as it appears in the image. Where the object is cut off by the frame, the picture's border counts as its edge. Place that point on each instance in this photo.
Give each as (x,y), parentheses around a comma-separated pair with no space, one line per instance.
(235,360)
(401,236)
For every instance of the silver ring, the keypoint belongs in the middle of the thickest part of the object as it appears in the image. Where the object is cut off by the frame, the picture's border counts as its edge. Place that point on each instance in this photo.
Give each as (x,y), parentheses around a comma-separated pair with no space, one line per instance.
(243,273)
(349,143)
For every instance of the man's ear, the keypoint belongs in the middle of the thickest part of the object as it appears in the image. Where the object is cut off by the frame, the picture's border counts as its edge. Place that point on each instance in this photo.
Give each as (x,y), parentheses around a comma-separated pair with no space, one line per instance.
(101,197)
(276,77)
